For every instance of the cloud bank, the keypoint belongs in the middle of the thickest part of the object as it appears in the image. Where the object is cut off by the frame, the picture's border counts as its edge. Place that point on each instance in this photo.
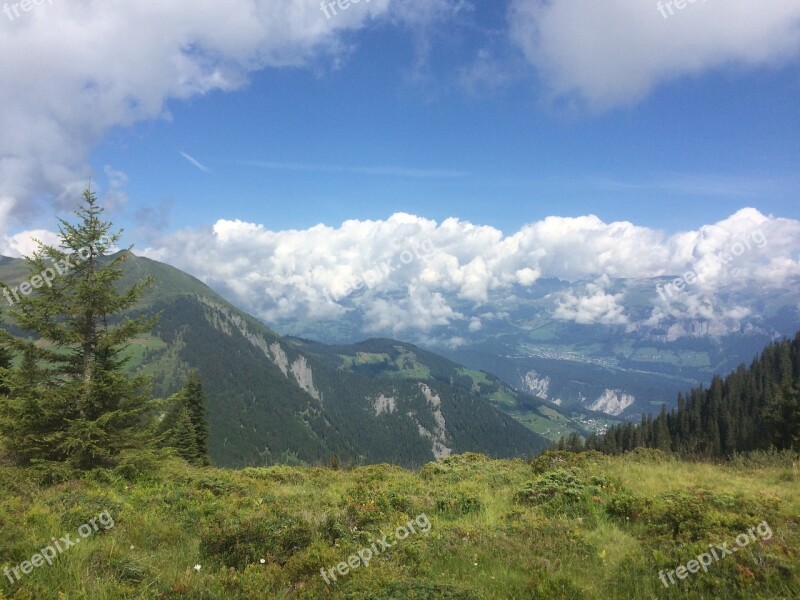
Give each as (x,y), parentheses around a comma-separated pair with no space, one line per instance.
(408,273)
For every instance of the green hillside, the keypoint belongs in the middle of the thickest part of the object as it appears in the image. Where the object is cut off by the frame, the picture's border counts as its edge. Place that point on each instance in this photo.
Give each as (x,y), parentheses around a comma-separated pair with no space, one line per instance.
(271,402)
(563,527)
(390,359)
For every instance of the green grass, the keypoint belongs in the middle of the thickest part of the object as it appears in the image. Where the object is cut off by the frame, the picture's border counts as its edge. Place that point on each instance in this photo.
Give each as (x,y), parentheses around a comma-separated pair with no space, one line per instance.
(407,363)
(503,397)
(478,377)
(560,527)
(545,421)
(363,358)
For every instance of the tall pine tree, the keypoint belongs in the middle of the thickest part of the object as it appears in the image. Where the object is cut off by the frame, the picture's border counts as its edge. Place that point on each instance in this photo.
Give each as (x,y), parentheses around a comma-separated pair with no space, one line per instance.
(85,410)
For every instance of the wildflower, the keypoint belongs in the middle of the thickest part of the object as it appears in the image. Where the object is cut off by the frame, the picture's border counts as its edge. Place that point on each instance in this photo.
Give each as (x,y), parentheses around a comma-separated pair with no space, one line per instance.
(197,568)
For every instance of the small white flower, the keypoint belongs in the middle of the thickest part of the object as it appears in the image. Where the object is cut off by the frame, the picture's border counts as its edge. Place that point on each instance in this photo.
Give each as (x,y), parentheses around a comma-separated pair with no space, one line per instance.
(132,547)
(262,561)
(197,567)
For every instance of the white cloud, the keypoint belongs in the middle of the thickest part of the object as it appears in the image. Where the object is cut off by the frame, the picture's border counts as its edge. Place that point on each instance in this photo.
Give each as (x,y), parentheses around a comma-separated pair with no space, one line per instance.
(407,273)
(595,306)
(73,69)
(615,52)
(411,274)
(24,244)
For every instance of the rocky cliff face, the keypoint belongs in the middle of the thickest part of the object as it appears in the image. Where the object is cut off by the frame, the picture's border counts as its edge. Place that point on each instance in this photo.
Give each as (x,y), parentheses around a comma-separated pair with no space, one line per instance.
(612,402)
(536,384)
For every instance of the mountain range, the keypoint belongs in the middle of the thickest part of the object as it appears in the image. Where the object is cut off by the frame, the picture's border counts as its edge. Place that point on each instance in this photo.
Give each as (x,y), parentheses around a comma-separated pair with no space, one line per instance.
(519,382)
(274,399)
(617,365)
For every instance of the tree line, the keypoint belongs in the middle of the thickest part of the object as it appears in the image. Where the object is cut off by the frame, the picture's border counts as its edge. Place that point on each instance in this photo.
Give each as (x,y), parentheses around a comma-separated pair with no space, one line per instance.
(753,408)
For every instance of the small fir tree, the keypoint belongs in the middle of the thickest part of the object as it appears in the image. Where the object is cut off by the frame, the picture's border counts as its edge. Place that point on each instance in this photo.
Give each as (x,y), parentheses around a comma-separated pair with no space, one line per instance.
(185,437)
(195,401)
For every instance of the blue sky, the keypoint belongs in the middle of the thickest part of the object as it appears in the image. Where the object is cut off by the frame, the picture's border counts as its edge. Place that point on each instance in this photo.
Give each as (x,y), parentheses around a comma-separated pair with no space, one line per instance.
(382,134)
(692,154)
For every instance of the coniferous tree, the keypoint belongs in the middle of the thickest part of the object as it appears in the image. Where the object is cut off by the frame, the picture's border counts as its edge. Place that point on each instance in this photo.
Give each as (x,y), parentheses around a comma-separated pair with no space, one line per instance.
(609,445)
(6,356)
(661,433)
(195,401)
(574,443)
(22,418)
(782,418)
(185,424)
(89,410)
(185,437)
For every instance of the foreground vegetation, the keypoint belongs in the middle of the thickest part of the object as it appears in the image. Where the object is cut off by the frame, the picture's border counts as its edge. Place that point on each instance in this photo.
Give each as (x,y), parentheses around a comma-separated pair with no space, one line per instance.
(563,526)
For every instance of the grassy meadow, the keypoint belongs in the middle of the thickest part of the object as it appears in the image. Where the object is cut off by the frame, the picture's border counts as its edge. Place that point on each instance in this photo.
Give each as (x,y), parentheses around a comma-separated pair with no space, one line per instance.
(560,527)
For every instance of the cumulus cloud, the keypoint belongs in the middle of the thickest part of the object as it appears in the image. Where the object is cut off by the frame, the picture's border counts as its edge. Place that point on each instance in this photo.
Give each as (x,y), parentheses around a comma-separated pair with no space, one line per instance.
(595,306)
(25,243)
(411,274)
(615,52)
(407,273)
(114,63)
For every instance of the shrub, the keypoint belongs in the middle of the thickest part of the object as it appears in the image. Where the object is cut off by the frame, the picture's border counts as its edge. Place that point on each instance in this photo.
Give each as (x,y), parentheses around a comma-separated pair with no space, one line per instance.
(216,485)
(332,529)
(459,504)
(766,458)
(124,569)
(683,515)
(455,467)
(628,506)
(81,506)
(140,466)
(365,506)
(52,473)
(562,485)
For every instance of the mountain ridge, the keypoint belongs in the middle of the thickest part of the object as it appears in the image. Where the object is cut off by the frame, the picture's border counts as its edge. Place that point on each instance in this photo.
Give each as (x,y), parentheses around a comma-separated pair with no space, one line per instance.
(271,402)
